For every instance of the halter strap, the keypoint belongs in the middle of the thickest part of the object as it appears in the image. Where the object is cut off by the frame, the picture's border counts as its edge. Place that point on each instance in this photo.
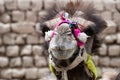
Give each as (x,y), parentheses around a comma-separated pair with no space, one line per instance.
(75,31)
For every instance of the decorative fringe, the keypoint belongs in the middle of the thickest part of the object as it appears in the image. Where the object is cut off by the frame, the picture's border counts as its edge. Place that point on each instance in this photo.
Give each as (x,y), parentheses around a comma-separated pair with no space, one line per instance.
(48,35)
(83,37)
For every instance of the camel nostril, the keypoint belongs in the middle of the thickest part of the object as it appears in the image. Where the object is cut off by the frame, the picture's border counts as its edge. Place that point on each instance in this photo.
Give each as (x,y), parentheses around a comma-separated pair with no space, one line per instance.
(59,47)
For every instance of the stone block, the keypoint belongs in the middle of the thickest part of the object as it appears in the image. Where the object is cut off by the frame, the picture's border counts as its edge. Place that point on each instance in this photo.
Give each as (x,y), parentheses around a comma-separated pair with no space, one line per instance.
(11,4)
(109,74)
(23,27)
(116,18)
(37,50)
(104,61)
(109,5)
(112,28)
(31,16)
(110,38)
(31,73)
(2,50)
(98,5)
(95,59)
(50,2)
(4,28)
(5,18)
(6,73)
(40,61)
(18,73)
(18,16)
(0,41)
(27,61)
(9,38)
(118,38)
(43,72)
(20,40)
(2,8)
(23,4)
(42,14)
(115,62)
(114,50)
(118,4)
(3,61)
(99,71)
(33,39)
(103,50)
(16,62)
(37,29)
(12,51)
(106,15)
(26,50)
(36,5)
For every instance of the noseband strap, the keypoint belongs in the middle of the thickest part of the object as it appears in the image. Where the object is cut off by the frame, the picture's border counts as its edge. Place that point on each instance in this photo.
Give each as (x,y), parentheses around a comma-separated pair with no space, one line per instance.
(77,59)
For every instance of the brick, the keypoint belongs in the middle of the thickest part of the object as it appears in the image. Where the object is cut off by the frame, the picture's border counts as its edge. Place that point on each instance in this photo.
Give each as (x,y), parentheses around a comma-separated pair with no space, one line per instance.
(104,61)
(20,40)
(37,29)
(36,5)
(109,5)
(99,72)
(118,38)
(33,39)
(115,62)
(0,41)
(116,18)
(109,74)
(50,2)
(23,27)
(5,18)
(23,4)
(117,4)
(18,16)
(110,38)
(40,61)
(4,61)
(26,50)
(16,62)
(27,61)
(103,50)
(6,73)
(95,59)
(43,72)
(9,38)
(31,16)
(18,73)
(99,5)
(42,14)
(4,28)
(2,50)
(114,50)
(37,50)
(11,4)
(31,73)
(12,51)
(2,8)
(112,28)
(106,15)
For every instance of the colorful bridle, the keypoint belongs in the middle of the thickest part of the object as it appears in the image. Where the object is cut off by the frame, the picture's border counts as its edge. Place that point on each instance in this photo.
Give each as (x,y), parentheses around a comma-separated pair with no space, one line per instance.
(74,28)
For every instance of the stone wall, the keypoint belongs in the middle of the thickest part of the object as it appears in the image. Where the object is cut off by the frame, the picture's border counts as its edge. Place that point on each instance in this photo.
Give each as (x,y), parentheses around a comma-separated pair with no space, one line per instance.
(22,55)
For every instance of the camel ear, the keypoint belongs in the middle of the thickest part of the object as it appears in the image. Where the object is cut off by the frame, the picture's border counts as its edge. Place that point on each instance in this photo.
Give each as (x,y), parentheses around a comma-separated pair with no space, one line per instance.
(83,37)
(48,35)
